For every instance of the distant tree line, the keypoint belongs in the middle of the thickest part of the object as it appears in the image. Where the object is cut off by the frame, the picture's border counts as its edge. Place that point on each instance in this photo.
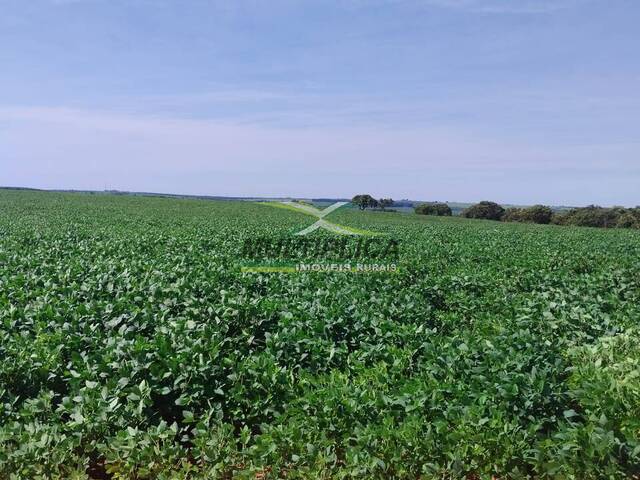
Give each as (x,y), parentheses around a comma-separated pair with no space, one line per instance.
(591,216)
(595,216)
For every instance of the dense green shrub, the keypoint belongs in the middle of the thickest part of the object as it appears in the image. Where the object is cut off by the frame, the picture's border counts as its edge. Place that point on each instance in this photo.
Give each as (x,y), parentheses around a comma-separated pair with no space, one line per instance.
(595,216)
(484,210)
(364,201)
(383,203)
(434,208)
(536,214)
(629,219)
(513,214)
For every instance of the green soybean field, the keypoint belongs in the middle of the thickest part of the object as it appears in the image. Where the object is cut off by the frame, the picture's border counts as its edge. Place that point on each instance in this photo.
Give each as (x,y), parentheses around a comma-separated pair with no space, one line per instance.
(132,346)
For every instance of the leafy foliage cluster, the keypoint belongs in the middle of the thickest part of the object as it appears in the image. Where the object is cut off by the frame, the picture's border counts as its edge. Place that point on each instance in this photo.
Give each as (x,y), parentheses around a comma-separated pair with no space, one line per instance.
(132,349)
(484,210)
(384,203)
(540,214)
(591,216)
(364,201)
(439,209)
(594,216)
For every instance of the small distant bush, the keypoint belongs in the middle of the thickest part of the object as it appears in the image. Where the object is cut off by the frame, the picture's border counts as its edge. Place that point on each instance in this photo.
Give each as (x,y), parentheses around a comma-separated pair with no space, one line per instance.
(537,214)
(484,210)
(434,208)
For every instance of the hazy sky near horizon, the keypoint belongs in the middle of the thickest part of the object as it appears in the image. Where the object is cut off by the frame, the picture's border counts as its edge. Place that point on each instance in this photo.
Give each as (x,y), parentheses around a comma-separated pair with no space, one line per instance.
(517,101)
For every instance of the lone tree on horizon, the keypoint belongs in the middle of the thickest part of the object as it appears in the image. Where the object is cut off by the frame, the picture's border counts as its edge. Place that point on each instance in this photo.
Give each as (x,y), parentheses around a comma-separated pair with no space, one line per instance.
(364,201)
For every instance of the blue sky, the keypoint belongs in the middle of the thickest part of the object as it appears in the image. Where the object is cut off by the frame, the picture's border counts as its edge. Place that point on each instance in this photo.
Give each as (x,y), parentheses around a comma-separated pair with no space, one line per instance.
(462,100)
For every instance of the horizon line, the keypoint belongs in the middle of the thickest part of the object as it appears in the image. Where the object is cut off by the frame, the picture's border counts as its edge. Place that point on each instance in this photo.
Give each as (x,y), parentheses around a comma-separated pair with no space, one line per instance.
(256,197)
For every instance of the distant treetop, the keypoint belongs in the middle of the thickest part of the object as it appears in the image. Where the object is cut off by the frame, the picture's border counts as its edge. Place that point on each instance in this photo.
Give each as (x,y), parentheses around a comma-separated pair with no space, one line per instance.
(434,208)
